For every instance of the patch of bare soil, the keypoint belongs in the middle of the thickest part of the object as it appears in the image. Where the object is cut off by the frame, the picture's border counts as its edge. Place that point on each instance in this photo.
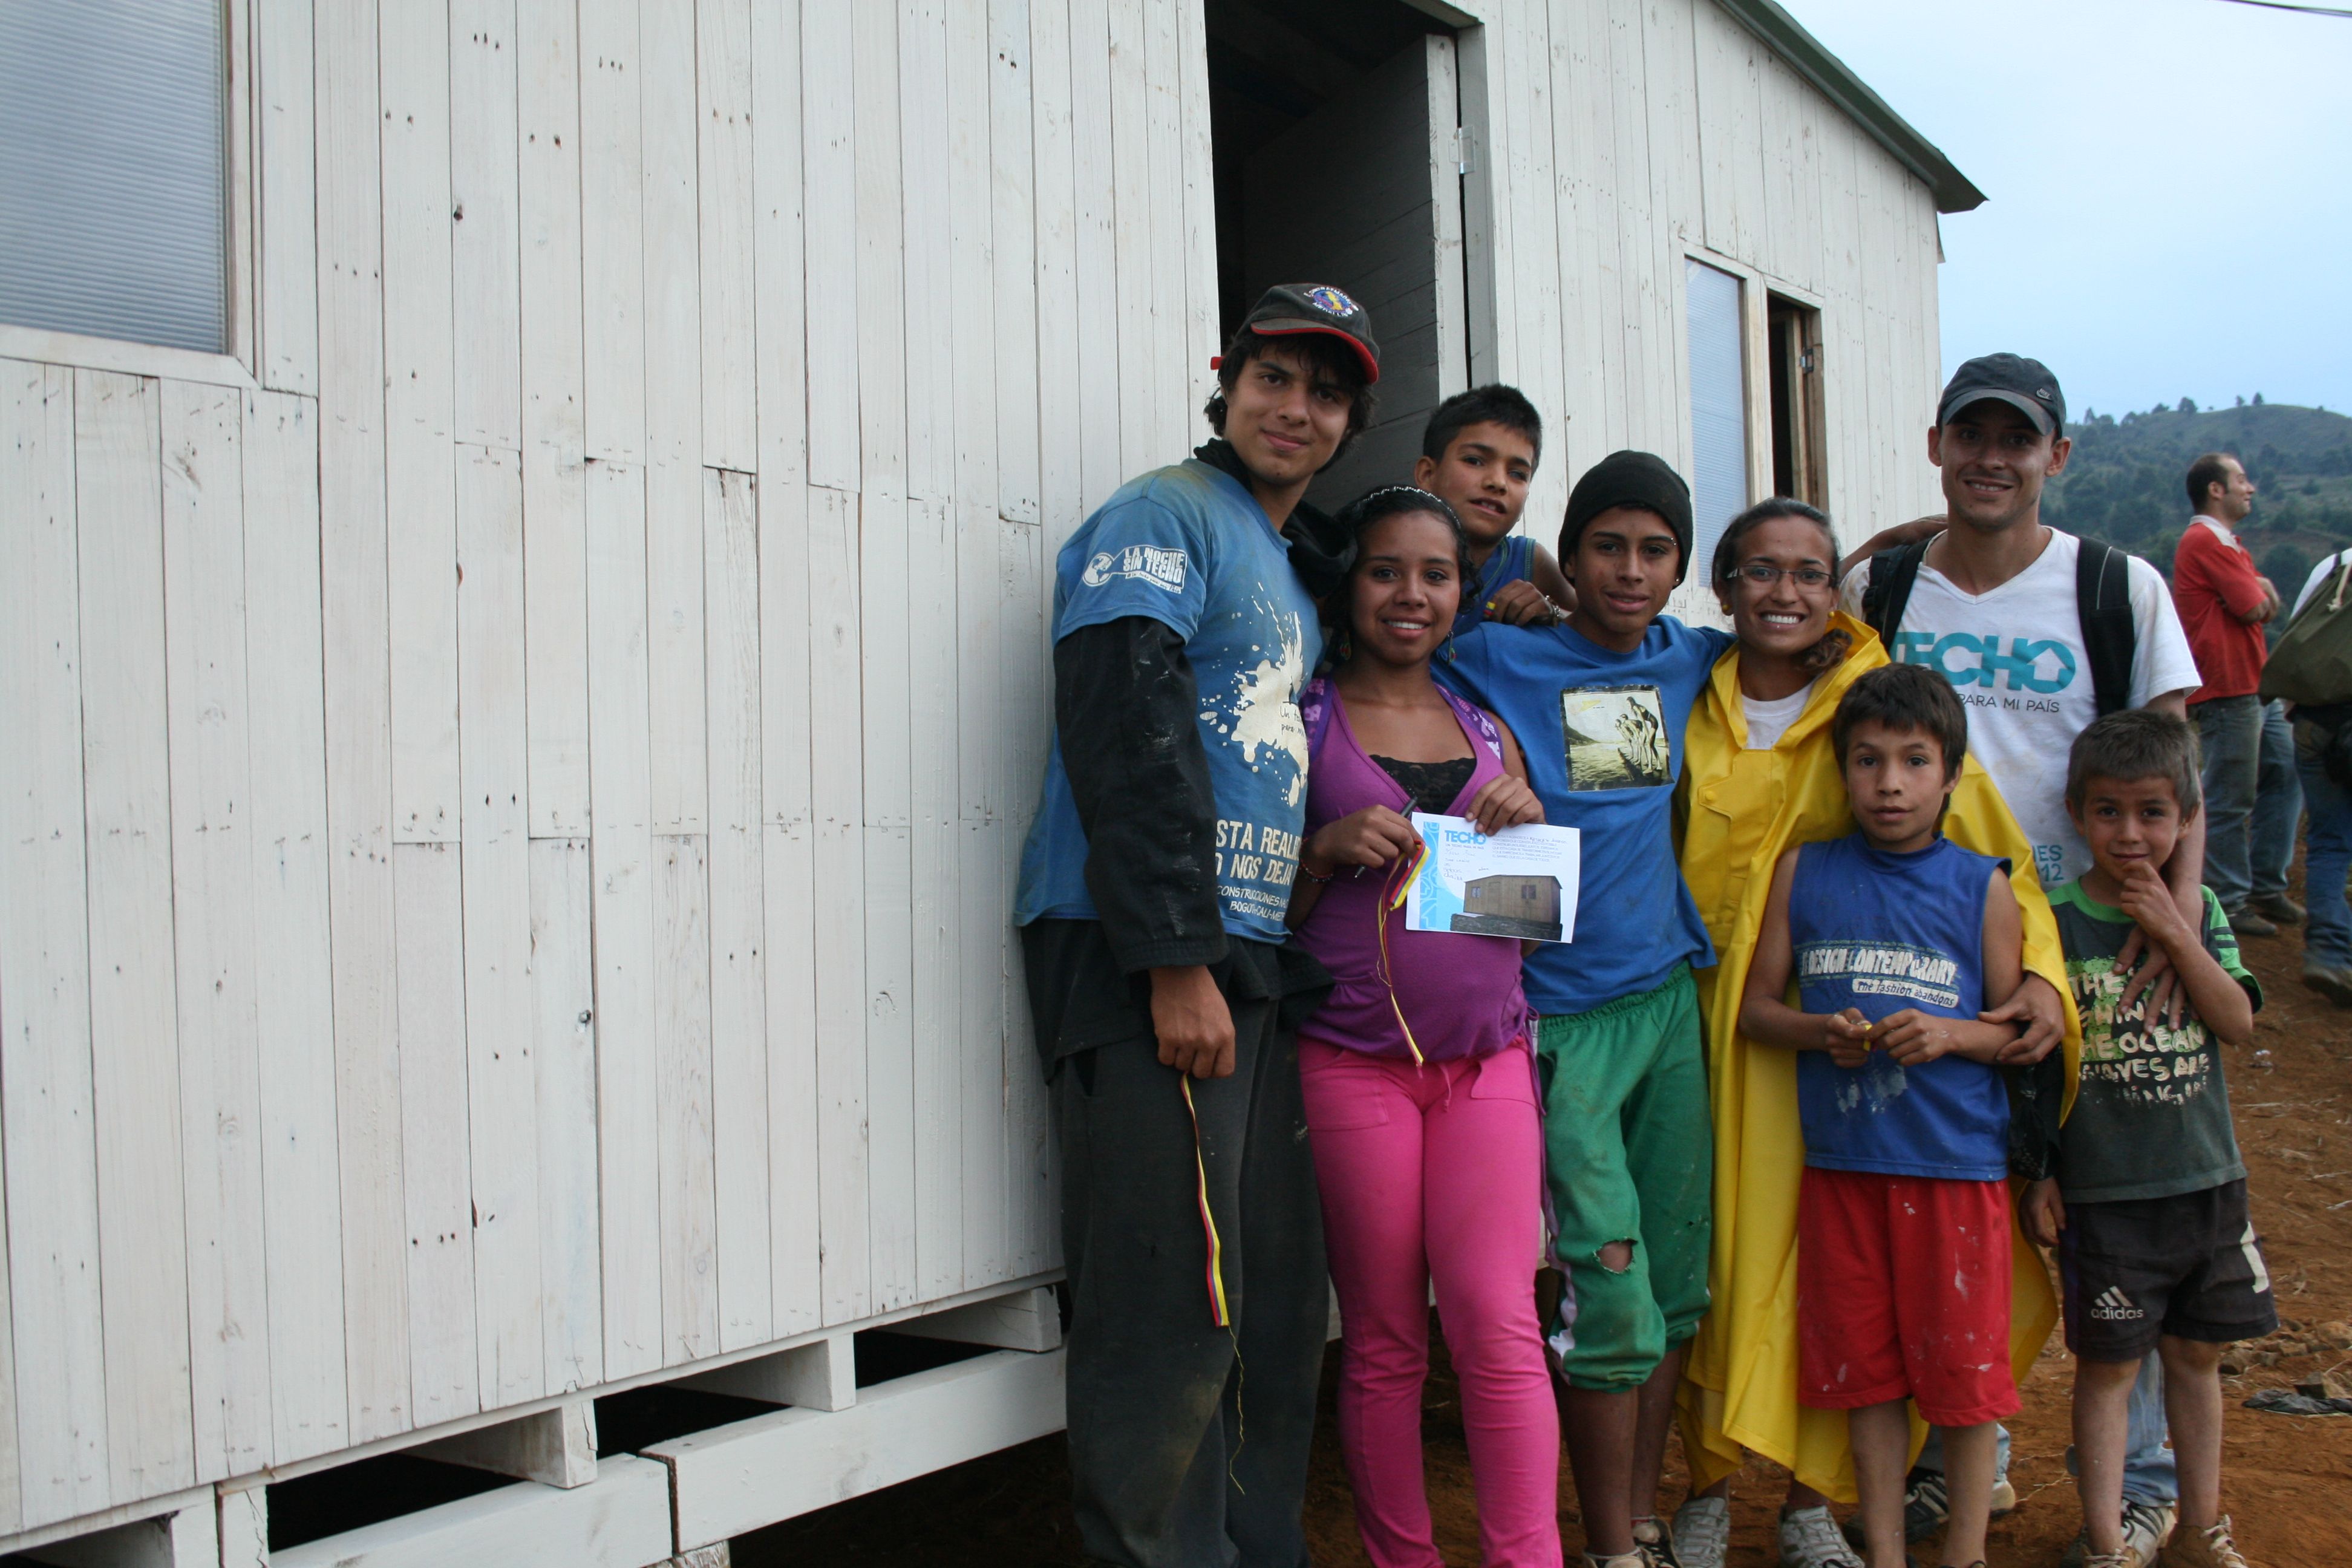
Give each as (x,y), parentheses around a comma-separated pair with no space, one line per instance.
(2287,1480)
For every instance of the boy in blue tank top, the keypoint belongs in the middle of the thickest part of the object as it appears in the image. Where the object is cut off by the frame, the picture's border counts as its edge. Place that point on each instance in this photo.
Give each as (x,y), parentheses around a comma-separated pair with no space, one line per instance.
(1896,938)
(1478,453)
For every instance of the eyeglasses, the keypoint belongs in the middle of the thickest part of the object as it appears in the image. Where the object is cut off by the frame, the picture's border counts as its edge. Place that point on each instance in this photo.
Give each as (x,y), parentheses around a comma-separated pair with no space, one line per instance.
(1763,573)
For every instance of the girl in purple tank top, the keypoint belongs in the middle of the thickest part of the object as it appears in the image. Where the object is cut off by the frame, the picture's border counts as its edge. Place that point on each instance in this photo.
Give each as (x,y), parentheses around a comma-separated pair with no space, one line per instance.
(1420,1087)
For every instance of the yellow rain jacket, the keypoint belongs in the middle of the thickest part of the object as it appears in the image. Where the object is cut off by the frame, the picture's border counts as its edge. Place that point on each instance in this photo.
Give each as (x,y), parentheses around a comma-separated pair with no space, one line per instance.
(1740,811)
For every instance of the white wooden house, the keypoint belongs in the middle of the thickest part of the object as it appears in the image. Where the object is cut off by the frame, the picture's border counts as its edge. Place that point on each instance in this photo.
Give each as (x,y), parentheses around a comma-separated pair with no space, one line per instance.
(522,686)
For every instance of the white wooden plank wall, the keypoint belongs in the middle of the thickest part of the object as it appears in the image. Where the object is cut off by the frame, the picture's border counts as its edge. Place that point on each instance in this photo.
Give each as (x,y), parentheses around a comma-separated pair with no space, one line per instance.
(510,840)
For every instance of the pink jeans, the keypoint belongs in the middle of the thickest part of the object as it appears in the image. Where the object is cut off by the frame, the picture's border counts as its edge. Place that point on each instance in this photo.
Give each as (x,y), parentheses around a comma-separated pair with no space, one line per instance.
(1437,1171)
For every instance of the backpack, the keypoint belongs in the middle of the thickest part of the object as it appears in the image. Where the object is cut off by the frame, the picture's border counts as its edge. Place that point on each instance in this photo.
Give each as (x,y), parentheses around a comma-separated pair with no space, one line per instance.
(2312,665)
(2102,602)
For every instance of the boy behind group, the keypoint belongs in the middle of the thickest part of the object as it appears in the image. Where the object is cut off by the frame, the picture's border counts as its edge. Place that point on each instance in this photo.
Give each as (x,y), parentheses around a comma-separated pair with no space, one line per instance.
(1478,454)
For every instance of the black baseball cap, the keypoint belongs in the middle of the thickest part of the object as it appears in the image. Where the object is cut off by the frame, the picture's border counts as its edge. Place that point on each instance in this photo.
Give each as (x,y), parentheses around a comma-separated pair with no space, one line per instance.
(1289,309)
(2025,384)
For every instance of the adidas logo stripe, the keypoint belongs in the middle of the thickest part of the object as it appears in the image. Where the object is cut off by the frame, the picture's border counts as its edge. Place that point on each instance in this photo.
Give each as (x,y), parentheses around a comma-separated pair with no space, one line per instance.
(2112,1306)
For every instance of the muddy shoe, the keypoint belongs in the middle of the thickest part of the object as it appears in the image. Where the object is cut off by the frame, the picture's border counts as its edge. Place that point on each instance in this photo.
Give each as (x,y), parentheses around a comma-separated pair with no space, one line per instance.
(2277,907)
(2209,1548)
(1656,1544)
(2336,984)
(1702,1532)
(2145,1524)
(1809,1539)
(2246,923)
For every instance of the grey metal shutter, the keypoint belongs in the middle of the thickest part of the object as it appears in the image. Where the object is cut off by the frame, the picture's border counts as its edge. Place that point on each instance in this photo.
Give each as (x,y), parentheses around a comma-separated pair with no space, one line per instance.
(113,175)
(1718,385)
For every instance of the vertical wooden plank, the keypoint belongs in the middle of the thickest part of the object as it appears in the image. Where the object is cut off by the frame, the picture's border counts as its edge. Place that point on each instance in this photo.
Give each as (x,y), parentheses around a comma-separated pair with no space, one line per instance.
(885,565)
(554,431)
(1032,1213)
(936,1007)
(621,851)
(836,804)
(930,262)
(790,918)
(354,620)
(739,1022)
(288,303)
(294,982)
(1486,204)
(1012,246)
(564,1037)
(1540,305)
(501,1092)
(829,146)
(723,82)
(1130,200)
(134,991)
(11,1496)
(673,415)
(1060,407)
(212,871)
(780,354)
(681,993)
(428,920)
(976,1203)
(1203,334)
(1446,202)
(485,255)
(1164,189)
(881,258)
(612,223)
(1102,463)
(46,1110)
(419,394)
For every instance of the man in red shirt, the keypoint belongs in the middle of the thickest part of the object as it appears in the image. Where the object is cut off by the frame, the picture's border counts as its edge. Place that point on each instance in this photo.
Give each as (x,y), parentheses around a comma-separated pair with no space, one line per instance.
(2251,796)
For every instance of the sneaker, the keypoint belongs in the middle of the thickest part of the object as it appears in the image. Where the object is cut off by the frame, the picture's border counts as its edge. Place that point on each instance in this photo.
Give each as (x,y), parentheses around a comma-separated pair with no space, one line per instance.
(2277,907)
(1637,1558)
(2246,923)
(2330,982)
(1925,1505)
(2209,1548)
(1656,1545)
(1809,1539)
(1702,1532)
(2145,1524)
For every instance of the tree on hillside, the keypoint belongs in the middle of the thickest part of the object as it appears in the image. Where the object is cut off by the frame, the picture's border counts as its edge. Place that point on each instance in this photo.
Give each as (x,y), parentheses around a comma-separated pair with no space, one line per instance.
(2258,400)
(2189,405)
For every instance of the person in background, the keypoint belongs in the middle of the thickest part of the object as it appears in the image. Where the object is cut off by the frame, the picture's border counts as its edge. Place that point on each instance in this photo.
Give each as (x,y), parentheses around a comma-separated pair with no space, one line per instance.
(1759,775)
(1418,1075)
(1151,900)
(1478,454)
(2328,793)
(2251,798)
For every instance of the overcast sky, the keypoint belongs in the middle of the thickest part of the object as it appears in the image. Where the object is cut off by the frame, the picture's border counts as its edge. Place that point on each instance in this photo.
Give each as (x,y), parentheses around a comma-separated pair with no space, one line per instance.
(2169,186)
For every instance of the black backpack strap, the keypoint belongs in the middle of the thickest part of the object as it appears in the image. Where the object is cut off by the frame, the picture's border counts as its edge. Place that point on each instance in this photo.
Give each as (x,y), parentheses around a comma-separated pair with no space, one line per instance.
(2102,603)
(1886,591)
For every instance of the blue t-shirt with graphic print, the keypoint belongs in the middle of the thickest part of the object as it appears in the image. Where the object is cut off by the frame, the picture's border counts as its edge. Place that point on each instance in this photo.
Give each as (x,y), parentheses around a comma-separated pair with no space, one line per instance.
(1602,734)
(1188,546)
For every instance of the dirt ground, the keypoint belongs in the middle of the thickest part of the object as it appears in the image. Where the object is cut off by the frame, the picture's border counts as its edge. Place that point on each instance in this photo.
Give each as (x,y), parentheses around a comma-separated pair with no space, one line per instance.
(2287,1480)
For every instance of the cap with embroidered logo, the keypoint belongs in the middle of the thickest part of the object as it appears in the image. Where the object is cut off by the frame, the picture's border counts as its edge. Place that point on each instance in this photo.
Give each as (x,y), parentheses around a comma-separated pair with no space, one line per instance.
(2025,384)
(1289,309)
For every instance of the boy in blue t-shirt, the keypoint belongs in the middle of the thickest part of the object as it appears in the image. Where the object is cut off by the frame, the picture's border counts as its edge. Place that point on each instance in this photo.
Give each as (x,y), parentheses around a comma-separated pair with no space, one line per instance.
(1599,702)
(1478,453)
(1896,938)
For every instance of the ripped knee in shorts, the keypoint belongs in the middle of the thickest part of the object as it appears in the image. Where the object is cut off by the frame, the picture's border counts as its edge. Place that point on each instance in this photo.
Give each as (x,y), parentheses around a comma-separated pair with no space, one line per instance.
(1617,1256)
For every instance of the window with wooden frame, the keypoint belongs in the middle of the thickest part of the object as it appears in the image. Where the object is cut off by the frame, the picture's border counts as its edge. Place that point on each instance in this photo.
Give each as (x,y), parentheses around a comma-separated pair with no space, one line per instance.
(1793,339)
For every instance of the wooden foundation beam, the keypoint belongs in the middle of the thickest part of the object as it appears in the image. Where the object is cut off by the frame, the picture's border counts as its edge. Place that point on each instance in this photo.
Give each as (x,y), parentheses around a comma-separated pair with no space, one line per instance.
(1027,1319)
(820,1375)
(554,1447)
(622,1521)
(188,1539)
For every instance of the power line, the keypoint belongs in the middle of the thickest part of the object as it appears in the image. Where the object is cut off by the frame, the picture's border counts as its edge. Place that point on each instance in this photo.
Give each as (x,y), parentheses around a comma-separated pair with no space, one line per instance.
(2288,5)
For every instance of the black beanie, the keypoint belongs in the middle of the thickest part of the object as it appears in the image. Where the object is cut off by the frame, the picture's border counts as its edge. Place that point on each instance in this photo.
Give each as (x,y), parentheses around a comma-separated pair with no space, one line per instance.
(1630,478)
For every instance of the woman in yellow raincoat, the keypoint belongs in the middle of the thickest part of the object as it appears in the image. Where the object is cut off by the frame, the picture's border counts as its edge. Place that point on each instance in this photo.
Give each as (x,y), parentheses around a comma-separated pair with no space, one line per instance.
(1759,775)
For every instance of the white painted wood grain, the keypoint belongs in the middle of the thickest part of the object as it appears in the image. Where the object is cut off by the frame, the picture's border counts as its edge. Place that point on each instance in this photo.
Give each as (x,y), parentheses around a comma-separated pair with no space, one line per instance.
(286,146)
(621,849)
(886,680)
(622,1520)
(46,1112)
(829,156)
(929,296)
(612,222)
(1445,189)
(1101,462)
(294,982)
(1012,246)
(429,920)
(819,1375)
(1203,334)
(978,922)
(1485,201)
(484,254)
(723,33)
(564,989)
(1032,1208)
(354,620)
(555,1448)
(938,1008)
(836,804)
(780,354)
(245,1527)
(419,473)
(739,1022)
(1164,51)
(1127,133)
(11,1494)
(501,1091)
(554,428)
(1060,485)
(690,1221)
(881,259)
(211,871)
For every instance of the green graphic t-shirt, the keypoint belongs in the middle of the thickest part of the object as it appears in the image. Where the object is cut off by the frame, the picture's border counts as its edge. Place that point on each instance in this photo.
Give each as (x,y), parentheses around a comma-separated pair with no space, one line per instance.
(2152,1115)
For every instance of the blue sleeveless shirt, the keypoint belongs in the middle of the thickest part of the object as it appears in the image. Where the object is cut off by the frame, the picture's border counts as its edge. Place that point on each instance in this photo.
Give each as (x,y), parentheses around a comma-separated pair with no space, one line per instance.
(1882,932)
(1513,559)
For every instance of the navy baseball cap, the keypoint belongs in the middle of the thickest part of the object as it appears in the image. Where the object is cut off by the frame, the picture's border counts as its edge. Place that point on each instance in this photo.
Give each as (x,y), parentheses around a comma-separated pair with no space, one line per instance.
(1289,309)
(2025,384)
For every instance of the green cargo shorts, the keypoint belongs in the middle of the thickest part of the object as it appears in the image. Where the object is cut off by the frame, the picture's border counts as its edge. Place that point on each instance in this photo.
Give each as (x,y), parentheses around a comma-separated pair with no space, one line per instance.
(1629,1155)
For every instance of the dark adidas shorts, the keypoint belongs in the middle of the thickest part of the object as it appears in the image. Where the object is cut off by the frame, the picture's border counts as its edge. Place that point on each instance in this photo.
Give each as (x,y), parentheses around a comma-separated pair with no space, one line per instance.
(2188,1266)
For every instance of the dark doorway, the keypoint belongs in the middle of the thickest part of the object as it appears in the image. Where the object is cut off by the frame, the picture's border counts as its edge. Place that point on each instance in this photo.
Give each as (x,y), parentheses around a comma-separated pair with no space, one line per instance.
(1333,124)
(1796,366)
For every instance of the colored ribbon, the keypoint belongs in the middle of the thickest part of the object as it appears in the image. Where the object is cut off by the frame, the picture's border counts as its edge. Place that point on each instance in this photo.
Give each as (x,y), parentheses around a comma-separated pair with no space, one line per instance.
(1392,897)
(1219,1314)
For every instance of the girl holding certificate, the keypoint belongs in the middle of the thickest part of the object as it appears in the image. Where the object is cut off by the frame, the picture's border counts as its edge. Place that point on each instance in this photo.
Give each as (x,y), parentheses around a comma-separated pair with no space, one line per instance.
(1420,1087)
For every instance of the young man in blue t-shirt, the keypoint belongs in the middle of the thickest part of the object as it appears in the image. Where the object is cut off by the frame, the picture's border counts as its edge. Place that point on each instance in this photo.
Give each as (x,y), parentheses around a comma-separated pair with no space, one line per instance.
(1152,897)
(1599,702)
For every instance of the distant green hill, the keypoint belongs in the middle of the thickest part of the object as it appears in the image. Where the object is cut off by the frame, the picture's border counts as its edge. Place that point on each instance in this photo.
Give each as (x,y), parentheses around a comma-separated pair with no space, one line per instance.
(2125,482)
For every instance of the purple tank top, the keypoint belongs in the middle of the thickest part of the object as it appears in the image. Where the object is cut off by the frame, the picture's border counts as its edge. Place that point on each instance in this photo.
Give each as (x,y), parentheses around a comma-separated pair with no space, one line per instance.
(1460,992)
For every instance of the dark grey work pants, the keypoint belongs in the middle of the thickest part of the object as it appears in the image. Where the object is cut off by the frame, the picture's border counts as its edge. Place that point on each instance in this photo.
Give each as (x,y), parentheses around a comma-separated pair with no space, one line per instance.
(1188,1442)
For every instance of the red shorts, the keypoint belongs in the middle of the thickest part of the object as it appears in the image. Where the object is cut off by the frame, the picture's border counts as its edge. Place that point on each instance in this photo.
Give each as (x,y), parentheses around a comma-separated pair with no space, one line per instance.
(1903,1290)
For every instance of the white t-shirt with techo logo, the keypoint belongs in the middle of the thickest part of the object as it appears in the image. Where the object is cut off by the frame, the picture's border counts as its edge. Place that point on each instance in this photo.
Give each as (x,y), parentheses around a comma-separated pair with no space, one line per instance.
(2015,655)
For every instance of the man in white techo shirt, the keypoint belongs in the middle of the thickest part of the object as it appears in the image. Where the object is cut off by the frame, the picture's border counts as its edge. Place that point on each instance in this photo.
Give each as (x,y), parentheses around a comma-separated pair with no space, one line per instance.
(1993,610)
(2327,852)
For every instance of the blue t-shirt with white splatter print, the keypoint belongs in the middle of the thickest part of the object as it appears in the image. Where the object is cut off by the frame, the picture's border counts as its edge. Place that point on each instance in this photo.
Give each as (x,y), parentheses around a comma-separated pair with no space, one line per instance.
(1188,546)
